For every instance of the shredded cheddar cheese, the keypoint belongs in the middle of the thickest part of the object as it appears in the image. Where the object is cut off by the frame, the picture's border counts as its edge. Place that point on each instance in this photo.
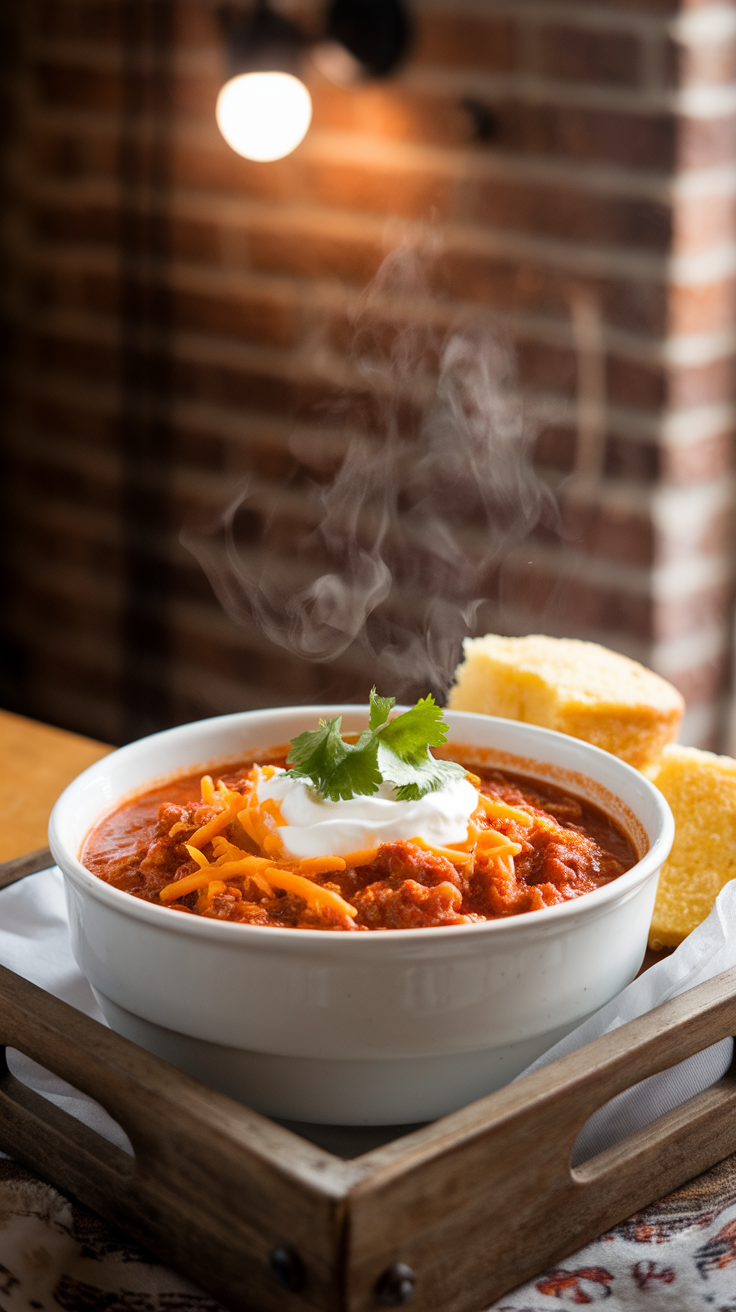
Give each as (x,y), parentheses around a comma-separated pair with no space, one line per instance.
(455,855)
(320,899)
(502,811)
(230,804)
(365,857)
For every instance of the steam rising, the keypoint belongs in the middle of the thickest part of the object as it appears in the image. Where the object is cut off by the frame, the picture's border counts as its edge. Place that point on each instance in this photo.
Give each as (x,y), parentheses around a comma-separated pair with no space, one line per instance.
(434,490)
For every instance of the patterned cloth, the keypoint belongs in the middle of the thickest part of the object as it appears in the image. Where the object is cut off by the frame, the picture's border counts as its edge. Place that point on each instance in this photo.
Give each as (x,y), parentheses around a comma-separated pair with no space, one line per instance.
(54,1254)
(678,1255)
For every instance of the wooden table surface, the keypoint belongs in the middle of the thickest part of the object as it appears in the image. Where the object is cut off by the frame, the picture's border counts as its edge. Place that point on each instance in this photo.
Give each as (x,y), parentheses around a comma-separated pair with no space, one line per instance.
(36,763)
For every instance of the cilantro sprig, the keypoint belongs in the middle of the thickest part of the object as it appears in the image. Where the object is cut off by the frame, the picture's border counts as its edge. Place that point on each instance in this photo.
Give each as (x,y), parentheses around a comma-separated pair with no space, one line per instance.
(394,751)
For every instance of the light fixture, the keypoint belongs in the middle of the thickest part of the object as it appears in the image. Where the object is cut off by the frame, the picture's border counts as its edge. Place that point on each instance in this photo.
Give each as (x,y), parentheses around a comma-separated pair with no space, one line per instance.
(363,39)
(264,109)
(264,116)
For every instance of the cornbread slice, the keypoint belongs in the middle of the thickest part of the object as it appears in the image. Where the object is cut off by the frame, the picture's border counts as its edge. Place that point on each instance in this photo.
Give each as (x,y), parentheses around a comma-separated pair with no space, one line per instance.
(576,687)
(701,789)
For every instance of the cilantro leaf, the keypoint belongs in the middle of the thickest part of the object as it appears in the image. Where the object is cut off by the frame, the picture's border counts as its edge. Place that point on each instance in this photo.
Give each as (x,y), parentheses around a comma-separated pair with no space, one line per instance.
(338,770)
(381,708)
(409,735)
(357,776)
(412,780)
(390,751)
(317,750)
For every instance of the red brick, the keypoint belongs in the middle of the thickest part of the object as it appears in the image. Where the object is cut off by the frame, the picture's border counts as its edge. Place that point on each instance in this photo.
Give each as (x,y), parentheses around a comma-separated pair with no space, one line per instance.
(219,384)
(464,41)
(248,315)
(580,54)
(703,221)
(64,608)
(554,368)
(265,664)
(639,140)
(83,86)
(677,616)
(527,284)
(77,86)
(696,462)
(254,453)
(635,140)
(547,367)
(198,450)
(408,192)
(72,154)
(242,388)
(713,537)
(705,142)
(635,384)
(702,63)
(100,560)
(382,339)
(61,484)
(598,530)
(81,152)
(197,26)
(76,425)
(92,361)
(56,670)
(389,111)
(640,6)
(574,604)
(216,168)
(628,458)
(703,683)
(102,22)
(98,22)
(78,225)
(188,580)
(571,213)
(703,307)
(310,399)
(702,384)
(199,241)
(623,458)
(196,96)
(310,254)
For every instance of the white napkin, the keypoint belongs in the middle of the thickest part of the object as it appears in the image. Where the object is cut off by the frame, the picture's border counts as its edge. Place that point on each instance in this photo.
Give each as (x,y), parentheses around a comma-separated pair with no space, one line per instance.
(34,942)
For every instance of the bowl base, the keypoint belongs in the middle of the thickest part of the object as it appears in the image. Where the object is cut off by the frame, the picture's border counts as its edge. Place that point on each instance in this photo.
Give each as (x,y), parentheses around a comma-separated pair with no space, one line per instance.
(323,1091)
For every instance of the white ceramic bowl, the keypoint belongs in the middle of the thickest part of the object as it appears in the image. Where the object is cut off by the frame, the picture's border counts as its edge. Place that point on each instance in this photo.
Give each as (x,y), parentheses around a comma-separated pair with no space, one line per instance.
(358,1029)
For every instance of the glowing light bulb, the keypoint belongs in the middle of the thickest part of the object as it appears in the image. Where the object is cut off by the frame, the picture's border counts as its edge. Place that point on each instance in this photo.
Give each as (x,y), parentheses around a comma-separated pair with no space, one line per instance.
(264,116)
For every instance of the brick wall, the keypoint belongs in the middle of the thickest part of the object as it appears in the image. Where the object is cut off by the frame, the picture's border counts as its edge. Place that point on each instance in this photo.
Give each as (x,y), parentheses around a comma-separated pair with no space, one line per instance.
(177,315)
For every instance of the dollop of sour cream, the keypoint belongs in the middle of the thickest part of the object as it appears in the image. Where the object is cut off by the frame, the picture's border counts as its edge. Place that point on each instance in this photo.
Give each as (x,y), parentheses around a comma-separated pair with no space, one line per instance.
(317,827)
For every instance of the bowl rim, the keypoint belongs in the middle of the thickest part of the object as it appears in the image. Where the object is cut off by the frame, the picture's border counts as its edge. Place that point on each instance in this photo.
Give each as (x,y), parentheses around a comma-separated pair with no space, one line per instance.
(587,905)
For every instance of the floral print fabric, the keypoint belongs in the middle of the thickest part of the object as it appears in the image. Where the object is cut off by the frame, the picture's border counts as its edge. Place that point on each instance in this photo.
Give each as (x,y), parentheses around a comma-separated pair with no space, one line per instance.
(679,1255)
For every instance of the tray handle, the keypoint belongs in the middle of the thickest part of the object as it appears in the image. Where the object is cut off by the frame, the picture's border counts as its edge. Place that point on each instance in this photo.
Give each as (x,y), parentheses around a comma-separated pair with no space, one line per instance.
(40,1127)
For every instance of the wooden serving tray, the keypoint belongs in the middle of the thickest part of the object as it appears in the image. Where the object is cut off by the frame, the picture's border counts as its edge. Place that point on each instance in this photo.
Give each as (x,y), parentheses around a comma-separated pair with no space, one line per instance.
(264,1219)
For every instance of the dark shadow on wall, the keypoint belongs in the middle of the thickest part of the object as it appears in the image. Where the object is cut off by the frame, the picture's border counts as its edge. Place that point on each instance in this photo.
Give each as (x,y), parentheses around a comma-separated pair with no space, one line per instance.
(12,662)
(145,366)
